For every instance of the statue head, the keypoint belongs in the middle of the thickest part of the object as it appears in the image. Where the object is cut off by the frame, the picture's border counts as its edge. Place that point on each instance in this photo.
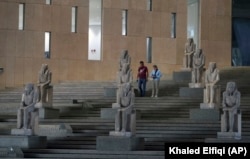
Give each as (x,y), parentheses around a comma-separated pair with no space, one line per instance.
(44,68)
(199,51)
(28,89)
(190,40)
(124,54)
(212,66)
(231,87)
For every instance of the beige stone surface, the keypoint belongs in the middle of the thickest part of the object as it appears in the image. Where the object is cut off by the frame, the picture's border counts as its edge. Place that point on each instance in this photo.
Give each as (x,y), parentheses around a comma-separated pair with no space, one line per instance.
(22,52)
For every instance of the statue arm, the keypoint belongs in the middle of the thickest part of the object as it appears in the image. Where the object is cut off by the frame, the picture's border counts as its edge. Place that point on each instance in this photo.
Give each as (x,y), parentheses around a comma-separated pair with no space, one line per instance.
(22,101)
(217,78)
(238,100)
(224,101)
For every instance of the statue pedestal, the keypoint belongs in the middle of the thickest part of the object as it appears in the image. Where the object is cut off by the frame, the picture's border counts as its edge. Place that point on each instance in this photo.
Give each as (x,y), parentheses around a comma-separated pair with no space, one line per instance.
(61,130)
(207,105)
(229,135)
(119,133)
(186,69)
(27,142)
(196,85)
(110,91)
(204,114)
(191,92)
(119,143)
(183,76)
(25,132)
(46,111)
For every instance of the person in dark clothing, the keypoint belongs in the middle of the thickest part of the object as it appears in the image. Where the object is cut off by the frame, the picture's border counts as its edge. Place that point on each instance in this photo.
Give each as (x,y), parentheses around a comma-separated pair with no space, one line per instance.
(142,78)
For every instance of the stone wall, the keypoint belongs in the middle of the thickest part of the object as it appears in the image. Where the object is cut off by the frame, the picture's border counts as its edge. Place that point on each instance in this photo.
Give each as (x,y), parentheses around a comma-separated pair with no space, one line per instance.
(22,52)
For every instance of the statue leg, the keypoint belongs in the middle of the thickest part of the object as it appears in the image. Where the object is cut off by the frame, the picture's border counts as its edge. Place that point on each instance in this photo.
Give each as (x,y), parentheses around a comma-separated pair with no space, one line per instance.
(124,120)
(207,94)
(188,61)
(193,76)
(19,118)
(39,93)
(212,94)
(118,120)
(198,75)
(231,120)
(25,119)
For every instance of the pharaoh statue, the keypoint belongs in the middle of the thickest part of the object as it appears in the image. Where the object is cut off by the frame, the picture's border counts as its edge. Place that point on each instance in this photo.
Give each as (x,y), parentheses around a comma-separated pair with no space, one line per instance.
(211,79)
(189,51)
(124,58)
(230,105)
(125,116)
(43,84)
(27,113)
(198,64)
(123,76)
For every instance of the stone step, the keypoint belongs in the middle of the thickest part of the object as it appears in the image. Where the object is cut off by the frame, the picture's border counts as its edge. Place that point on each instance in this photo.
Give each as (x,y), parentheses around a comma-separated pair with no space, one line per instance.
(69,153)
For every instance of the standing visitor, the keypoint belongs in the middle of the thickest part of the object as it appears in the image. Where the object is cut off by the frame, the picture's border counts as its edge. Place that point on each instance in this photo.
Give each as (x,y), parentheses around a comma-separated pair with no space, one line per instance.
(142,78)
(156,75)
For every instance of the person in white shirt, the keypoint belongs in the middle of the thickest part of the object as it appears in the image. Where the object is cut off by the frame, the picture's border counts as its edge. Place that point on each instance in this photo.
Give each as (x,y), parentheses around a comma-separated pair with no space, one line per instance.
(155,75)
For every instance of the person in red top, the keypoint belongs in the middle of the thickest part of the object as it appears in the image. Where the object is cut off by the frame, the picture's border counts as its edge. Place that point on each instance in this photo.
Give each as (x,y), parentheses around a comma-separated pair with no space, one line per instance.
(142,78)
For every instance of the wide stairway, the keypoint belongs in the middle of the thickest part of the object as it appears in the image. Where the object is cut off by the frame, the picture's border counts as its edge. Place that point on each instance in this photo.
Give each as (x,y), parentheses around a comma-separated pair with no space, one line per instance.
(163,119)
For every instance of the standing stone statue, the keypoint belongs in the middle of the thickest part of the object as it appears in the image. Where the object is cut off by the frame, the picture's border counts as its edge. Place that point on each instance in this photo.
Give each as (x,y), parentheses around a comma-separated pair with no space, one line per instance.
(124,58)
(198,64)
(189,51)
(124,75)
(230,104)
(125,117)
(43,84)
(211,79)
(27,114)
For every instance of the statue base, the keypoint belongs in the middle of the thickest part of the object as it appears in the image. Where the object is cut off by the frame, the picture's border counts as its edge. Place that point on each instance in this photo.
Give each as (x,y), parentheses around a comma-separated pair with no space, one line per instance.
(207,105)
(229,135)
(183,76)
(191,92)
(110,91)
(22,132)
(61,130)
(46,111)
(196,85)
(27,142)
(120,133)
(118,143)
(204,114)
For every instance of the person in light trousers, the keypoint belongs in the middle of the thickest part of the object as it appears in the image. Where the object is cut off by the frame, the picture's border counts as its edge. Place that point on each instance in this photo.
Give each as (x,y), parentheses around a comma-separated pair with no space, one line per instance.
(155,75)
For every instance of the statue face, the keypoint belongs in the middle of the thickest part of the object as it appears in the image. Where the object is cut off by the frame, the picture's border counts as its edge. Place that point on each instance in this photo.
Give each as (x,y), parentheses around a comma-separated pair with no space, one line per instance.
(44,67)
(212,66)
(28,88)
(231,87)
(124,54)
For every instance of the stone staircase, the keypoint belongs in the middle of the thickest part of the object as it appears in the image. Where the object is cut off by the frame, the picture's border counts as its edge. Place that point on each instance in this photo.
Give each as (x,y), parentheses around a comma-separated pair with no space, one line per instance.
(165,119)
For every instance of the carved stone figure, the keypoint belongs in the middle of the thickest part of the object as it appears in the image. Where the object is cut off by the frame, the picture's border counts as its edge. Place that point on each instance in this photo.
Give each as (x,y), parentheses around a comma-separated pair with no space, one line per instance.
(124,58)
(27,112)
(44,81)
(198,64)
(189,51)
(125,75)
(123,120)
(230,104)
(211,78)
